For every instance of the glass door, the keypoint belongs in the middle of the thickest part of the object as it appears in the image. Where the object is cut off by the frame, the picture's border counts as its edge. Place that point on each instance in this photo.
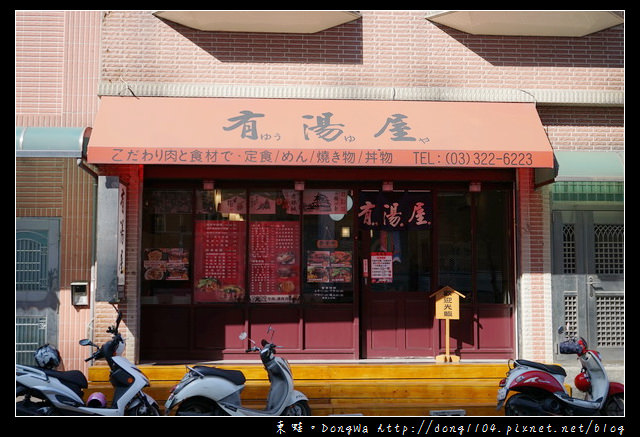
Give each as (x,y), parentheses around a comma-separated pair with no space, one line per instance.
(395,234)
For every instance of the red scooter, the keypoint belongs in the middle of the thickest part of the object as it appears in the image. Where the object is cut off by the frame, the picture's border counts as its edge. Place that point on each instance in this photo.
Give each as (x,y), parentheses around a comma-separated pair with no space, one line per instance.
(541,390)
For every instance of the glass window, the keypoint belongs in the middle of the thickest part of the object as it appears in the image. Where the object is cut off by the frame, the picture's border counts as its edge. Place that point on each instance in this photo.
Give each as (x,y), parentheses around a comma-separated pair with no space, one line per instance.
(167,246)
(473,244)
(253,245)
(454,241)
(493,255)
(327,246)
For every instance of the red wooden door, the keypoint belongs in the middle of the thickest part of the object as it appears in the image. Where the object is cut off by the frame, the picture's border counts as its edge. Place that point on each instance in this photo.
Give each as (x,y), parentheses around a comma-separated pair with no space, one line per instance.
(396,283)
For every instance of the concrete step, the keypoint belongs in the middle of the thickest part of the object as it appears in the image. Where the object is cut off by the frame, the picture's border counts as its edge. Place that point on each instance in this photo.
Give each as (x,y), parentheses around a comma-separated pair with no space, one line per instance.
(358,388)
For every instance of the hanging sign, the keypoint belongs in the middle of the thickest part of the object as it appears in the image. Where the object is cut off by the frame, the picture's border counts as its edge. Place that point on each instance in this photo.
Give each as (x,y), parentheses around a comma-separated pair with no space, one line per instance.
(395,211)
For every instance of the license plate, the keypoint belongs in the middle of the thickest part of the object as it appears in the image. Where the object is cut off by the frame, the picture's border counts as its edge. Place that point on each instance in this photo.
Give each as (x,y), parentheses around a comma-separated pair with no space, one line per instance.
(502,394)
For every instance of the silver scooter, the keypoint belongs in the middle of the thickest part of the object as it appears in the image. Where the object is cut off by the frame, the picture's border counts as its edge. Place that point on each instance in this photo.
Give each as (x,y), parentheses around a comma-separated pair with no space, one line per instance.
(47,392)
(211,391)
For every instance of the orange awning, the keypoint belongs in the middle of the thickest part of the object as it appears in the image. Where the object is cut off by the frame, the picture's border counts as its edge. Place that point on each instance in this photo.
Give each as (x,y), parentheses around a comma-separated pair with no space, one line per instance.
(237,131)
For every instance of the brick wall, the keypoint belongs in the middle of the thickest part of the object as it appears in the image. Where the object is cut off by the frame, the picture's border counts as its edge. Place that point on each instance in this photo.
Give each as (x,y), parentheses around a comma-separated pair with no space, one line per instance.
(534,281)
(584,128)
(383,48)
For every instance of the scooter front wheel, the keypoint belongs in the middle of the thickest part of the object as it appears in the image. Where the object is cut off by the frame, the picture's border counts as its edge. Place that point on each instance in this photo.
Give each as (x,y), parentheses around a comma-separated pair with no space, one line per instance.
(300,408)
(199,407)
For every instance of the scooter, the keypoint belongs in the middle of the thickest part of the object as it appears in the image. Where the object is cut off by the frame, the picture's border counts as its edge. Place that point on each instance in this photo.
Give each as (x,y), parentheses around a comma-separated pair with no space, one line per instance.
(211,391)
(541,390)
(48,392)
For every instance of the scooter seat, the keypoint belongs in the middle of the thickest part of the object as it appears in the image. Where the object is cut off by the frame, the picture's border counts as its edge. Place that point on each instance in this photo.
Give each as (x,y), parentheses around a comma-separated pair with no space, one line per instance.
(235,376)
(551,368)
(74,379)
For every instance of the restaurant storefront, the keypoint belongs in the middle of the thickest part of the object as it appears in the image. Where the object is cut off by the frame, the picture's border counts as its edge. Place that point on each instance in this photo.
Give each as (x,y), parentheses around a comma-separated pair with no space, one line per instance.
(331,221)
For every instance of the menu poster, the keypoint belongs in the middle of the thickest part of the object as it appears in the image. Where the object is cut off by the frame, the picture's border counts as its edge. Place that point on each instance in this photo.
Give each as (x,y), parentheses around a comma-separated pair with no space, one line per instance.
(161,264)
(324,202)
(274,262)
(233,202)
(329,275)
(227,201)
(381,267)
(329,266)
(219,269)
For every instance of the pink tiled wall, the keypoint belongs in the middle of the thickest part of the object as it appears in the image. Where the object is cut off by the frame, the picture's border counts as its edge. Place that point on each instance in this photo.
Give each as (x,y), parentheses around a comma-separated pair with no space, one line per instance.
(57,67)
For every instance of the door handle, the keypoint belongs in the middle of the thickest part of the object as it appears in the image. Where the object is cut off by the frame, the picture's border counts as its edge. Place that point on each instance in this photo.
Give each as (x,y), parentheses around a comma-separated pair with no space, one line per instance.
(365,270)
(592,281)
(593,284)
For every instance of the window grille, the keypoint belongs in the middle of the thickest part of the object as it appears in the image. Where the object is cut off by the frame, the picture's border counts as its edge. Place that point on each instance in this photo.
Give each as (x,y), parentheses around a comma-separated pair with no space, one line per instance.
(609,249)
(610,320)
(31,332)
(571,315)
(569,248)
(31,265)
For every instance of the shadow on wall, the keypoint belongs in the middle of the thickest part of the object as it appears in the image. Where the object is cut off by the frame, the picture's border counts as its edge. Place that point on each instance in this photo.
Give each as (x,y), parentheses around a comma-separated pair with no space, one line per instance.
(525,51)
(338,45)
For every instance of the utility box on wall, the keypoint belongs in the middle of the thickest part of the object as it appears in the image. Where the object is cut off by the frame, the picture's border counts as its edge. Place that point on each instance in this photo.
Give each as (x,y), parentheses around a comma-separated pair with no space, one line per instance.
(80,293)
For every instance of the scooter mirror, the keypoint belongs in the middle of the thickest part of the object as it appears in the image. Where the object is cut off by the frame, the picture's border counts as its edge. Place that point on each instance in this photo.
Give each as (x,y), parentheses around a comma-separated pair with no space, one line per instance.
(85,342)
(561,330)
(242,336)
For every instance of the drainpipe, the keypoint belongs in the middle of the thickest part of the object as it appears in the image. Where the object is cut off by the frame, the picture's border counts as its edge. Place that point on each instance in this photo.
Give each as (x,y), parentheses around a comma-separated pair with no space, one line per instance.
(82,165)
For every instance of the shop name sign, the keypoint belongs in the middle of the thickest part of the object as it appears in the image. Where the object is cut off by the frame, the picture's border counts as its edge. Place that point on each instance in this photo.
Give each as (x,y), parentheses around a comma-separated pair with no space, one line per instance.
(311,133)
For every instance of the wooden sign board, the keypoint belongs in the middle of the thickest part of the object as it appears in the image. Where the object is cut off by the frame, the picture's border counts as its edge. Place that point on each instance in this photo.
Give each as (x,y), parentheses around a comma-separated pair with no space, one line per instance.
(447,308)
(447,303)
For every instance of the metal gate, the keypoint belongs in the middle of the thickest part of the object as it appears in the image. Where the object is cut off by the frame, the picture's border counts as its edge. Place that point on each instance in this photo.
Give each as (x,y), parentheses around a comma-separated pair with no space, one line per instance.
(37,284)
(588,280)
(31,333)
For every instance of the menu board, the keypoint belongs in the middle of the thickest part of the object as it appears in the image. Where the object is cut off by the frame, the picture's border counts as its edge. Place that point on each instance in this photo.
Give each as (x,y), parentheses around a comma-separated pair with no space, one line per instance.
(274,264)
(166,264)
(219,270)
